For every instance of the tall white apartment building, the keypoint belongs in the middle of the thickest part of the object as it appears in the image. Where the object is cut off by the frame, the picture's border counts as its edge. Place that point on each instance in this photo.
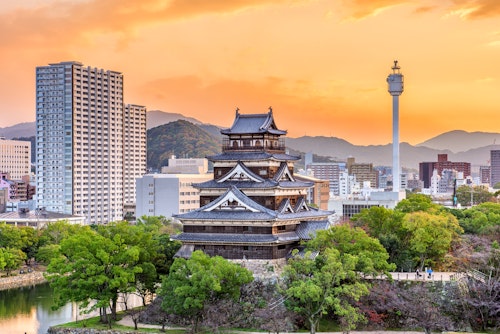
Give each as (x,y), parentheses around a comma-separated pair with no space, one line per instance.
(15,158)
(134,145)
(82,131)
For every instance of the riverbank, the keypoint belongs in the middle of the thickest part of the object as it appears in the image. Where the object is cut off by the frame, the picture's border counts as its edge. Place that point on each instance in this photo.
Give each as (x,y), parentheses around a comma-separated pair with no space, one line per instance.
(22,278)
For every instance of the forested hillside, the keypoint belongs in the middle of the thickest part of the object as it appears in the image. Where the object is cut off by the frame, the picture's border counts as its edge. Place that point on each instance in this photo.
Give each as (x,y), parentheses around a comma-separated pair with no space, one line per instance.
(180,138)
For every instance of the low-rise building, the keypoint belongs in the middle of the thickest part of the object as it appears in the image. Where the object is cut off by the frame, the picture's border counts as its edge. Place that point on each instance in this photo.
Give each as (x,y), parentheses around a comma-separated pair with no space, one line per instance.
(168,194)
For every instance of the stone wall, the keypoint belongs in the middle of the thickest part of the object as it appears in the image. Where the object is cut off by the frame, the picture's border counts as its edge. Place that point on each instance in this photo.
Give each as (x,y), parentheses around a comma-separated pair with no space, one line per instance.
(19,280)
(263,269)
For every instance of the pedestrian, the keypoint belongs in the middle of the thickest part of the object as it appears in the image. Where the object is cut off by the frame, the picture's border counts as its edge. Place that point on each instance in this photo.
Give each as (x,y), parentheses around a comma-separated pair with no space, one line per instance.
(417,273)
(429,271)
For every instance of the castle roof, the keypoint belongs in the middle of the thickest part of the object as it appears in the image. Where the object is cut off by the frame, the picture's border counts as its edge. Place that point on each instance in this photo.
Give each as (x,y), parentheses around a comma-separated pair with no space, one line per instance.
(253,123)
(244,178)
(252,156)
(234,205)
(305,231)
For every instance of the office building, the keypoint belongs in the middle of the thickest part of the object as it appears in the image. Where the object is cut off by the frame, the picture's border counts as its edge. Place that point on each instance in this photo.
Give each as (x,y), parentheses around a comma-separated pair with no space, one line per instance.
(185,166)
(83,129)
(168,194)
(495,167)
(15,158)
(484,174)
(319,193)
(426,169)
(327,171)
(363,172)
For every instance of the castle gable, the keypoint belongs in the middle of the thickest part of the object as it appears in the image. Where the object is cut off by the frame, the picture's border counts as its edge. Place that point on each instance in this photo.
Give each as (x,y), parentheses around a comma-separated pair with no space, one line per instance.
(241,173)
(284,174)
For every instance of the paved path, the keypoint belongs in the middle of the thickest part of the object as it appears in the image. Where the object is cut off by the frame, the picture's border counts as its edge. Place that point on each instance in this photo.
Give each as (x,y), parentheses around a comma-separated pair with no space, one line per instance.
(436,276)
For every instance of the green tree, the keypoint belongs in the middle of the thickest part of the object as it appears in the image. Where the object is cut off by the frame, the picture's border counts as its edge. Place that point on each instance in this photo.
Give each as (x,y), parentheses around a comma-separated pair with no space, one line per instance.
(387,226)
(371,256)
(480,219)
(417,202)
(195,282)
(10,236)
(93,267)
(29,242)
(331,281)
(316,285)
(55,232)
(470,196)
(11,259)
(430,235)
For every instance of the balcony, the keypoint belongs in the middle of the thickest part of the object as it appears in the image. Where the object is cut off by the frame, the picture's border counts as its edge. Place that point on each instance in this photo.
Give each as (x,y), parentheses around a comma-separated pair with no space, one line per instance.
(254,145)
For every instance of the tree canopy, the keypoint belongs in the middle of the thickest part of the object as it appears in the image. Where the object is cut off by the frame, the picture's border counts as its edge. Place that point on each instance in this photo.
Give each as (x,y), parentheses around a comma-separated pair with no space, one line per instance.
(193,283)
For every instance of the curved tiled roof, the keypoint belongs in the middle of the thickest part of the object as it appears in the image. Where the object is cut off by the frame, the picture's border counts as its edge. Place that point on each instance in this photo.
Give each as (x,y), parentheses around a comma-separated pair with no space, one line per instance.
(307,229)
(252,156)
(237,237)
(234,205)
(253,123)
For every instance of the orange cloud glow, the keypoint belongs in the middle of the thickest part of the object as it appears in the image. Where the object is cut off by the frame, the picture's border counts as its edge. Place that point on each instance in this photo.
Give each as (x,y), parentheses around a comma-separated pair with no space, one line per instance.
(320,64)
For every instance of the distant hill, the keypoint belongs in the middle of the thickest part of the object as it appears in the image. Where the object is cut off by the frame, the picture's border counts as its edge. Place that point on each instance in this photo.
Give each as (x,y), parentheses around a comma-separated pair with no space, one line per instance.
(180,138)
(155,118)
(473,147)
(19,130)
(462,141)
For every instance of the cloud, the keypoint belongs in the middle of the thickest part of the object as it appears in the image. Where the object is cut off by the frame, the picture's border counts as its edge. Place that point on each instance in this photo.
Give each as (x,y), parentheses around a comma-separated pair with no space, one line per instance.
(364,8)
(63,22)
(477,9)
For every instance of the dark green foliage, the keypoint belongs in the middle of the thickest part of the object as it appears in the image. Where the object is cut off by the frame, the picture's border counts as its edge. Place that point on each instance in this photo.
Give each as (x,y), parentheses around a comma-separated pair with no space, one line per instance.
(180,138)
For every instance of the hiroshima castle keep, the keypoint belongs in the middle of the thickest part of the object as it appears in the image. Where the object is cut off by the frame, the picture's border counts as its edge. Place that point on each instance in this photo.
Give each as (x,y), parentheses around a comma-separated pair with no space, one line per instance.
(253,208)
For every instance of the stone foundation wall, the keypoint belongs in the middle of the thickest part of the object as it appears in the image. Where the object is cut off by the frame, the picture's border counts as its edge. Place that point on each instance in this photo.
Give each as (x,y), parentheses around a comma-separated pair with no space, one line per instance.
(263,269)
(27,279)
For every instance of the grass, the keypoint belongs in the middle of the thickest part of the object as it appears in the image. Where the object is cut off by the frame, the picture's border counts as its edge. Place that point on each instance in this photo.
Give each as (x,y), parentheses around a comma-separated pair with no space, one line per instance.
(96,324)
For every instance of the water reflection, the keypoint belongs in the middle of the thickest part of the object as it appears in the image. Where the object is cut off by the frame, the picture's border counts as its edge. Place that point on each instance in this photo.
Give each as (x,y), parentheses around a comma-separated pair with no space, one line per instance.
(28,310)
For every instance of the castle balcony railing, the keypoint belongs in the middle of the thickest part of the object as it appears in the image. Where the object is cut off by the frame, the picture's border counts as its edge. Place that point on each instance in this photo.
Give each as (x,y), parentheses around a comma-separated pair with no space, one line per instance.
(253,145)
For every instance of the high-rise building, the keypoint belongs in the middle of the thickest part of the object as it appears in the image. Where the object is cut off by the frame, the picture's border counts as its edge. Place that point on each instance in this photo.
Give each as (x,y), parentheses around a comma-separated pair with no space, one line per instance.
(495,167)
(15,158)
(484,174)
(83,129)
(134,145)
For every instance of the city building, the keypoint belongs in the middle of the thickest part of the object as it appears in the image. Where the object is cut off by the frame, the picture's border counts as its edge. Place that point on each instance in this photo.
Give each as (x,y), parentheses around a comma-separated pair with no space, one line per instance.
(494,167)
(83,129)
(346,208)
(15,158)
(185,166)
(426,169)
(37,218)
(363,172)
(327,171)
(319,193)
(254,208)
(168,194)
(484,174)
(134,146)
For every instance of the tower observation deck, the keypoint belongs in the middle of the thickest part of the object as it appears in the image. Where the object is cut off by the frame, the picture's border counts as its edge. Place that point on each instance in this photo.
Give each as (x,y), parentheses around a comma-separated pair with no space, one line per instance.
(395,83)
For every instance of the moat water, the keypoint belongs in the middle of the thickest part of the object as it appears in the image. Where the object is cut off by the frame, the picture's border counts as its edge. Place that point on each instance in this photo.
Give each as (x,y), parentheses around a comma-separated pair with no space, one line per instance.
(29,310)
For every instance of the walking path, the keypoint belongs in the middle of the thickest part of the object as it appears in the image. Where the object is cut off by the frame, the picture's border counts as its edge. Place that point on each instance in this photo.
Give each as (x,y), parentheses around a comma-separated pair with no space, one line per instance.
(436,276)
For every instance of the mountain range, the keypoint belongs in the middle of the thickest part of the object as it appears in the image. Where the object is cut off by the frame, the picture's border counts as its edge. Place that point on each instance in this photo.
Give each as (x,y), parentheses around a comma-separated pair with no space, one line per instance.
(473,147)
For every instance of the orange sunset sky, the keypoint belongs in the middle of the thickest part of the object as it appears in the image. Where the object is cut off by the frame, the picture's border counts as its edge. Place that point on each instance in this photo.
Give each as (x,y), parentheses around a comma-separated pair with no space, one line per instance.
(321,65)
